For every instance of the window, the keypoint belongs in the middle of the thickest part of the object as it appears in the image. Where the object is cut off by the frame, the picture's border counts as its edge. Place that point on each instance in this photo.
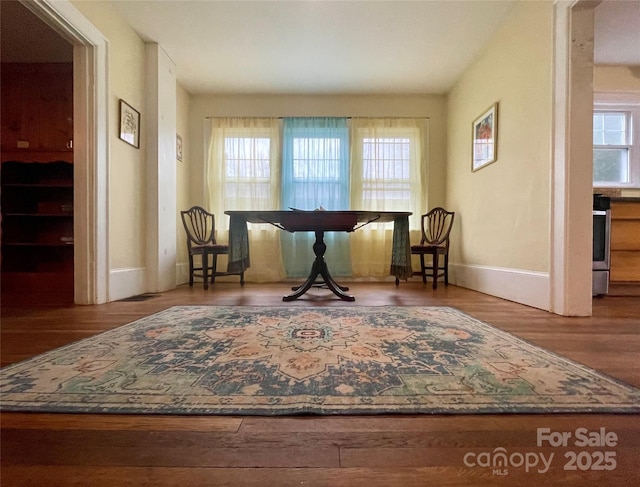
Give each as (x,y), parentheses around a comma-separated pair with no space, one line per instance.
(242,173)
(616,144)
(315,163)
(316,159)
(611,147)
(247,173)
(316,169)
(385,169)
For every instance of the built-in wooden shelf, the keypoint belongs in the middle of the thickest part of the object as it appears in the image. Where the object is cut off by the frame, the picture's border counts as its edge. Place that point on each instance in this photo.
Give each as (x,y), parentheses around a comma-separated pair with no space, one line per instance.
(37,228)
(30,155)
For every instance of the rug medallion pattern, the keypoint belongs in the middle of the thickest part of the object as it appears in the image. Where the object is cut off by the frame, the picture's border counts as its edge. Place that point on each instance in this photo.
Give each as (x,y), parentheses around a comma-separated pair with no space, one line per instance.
(323,360)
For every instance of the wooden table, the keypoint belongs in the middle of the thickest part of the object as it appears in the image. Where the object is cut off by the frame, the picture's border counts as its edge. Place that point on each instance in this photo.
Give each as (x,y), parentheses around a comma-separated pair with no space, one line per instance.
(319,222)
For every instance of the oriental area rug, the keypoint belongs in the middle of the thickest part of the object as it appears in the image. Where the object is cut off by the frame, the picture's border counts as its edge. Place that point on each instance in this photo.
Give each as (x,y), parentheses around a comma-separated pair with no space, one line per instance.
(321,360)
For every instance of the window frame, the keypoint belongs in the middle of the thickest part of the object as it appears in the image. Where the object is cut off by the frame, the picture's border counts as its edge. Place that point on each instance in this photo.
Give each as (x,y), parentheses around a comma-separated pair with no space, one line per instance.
(253,133)
(241,179)
(403,184)
(307,179)
(629,104)
(341,180)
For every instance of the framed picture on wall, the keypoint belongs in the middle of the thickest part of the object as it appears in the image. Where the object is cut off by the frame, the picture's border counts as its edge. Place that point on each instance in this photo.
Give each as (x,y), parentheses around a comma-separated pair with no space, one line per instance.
(129,124)
(485,138)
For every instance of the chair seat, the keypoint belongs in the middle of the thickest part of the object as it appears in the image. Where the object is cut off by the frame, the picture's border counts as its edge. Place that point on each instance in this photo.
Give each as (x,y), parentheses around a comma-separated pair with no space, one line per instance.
(427,249)
(213,248)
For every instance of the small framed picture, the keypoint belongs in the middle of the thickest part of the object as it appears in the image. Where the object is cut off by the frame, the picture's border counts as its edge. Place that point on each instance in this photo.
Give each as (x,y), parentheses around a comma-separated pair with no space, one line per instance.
(129,124)
(485,138)
(178,147)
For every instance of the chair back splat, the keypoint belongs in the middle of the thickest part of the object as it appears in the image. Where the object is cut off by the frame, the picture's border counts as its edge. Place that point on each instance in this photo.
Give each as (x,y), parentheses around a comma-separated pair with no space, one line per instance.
(436,228)
(200,228)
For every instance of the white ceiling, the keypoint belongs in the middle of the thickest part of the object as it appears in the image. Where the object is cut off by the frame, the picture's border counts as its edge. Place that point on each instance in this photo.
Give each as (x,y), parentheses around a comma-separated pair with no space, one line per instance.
(317,46)
(314,47)
(617,32)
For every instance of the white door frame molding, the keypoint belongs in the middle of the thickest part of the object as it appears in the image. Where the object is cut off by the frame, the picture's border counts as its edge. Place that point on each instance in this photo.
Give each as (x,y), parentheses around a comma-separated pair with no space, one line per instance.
(91,146)
(571,177)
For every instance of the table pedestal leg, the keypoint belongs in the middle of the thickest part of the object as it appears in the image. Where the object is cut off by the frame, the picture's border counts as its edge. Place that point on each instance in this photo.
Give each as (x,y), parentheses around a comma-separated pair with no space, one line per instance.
(319,268)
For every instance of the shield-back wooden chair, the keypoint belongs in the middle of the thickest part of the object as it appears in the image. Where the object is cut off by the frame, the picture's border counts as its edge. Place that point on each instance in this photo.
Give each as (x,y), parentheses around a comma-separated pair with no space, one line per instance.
(436,228)
(200,228)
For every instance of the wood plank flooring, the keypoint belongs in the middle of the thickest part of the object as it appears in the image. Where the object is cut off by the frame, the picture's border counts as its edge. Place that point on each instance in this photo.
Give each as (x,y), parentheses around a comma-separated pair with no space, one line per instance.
(350,451)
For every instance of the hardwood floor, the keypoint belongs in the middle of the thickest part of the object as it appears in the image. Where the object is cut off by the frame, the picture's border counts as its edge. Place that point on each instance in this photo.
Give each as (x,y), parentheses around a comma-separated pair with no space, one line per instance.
(127,450)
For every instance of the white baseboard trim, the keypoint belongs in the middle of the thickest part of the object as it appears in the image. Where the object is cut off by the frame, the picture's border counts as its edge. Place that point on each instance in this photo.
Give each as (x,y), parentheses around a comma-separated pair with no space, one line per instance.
(525,287)
(126,282)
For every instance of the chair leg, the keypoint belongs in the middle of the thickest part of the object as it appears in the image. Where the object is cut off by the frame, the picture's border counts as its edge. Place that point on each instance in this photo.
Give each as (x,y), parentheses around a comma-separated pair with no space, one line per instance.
(190,270)
(242,278)
(422,269)
(446,269)
(214,268)
(205,270)
(434,266)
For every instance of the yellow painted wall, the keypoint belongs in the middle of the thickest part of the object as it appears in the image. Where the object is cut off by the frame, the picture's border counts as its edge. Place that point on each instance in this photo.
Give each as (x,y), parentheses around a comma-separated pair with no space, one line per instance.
(127,169)
(616,79)
(503,210)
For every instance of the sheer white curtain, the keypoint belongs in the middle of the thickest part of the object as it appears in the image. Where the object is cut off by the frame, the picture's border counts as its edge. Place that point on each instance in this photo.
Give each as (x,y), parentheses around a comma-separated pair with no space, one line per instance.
(242,172)
(388,173)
